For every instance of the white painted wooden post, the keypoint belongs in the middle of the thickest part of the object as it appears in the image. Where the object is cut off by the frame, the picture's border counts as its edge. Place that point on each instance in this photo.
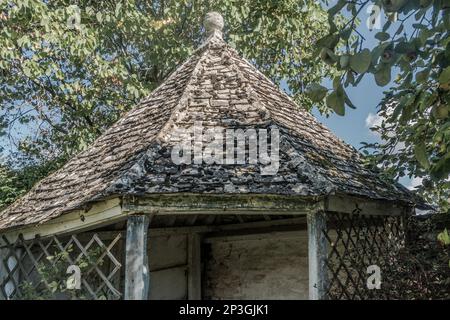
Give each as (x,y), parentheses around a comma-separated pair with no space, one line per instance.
(137,275)
(194,260)
(317,253)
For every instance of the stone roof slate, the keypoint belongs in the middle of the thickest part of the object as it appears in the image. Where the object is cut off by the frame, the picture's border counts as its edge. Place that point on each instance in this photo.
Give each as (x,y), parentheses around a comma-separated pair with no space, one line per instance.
(219,88)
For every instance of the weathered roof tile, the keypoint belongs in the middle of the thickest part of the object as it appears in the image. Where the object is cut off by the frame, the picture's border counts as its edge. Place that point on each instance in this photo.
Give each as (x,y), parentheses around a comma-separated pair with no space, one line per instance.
(220,88)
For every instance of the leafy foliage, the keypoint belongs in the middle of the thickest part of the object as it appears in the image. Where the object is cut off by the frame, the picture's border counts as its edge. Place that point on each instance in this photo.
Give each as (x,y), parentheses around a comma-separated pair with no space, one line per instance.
(414,45)
(9,189)
(15,181)
(53,278)
(423,270)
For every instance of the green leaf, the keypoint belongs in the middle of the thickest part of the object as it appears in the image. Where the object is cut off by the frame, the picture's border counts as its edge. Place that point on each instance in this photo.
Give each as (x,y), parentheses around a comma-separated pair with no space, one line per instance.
(404,47)
(441,169)
(118,9)
(344,61)
(349,102)
(383,75)
(27,71)
(330,41)
(419,26)
(444,78)
(400,29)
(345,34)
(382,36)
(422,76)
(316,92)
(444,238)
(420,152)
(360,62)
(340,4)
(336,102)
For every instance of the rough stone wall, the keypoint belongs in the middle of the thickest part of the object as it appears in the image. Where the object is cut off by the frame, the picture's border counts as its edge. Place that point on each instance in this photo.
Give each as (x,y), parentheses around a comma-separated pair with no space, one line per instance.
(268,268)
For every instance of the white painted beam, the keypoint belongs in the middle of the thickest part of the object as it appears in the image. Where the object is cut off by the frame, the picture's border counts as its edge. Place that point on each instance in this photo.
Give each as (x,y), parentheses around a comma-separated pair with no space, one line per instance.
(137,274)
(101,213)
(347,204)
(317,255)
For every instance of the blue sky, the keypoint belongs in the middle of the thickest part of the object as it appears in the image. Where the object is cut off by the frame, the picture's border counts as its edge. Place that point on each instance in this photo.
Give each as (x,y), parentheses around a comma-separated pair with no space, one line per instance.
(354,128)
(366,96)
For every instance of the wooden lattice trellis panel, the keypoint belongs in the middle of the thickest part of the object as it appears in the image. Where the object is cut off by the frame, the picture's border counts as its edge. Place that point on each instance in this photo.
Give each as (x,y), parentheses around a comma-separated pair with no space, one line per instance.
(355,242)
(38,266)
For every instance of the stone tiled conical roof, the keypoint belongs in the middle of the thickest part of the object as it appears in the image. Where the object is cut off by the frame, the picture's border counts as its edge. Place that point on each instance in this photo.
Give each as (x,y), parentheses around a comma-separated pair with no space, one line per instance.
(221,89)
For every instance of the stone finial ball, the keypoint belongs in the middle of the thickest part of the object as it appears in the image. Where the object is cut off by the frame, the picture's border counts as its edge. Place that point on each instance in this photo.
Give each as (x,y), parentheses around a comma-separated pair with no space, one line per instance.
(213,22)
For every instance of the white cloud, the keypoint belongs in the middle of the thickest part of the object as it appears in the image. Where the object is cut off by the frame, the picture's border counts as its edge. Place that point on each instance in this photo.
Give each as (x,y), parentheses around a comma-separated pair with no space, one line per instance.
(415,182)
(374,120)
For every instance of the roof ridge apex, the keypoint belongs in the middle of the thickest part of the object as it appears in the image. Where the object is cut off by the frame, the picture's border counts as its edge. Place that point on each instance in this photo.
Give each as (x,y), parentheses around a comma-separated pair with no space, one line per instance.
(162,134)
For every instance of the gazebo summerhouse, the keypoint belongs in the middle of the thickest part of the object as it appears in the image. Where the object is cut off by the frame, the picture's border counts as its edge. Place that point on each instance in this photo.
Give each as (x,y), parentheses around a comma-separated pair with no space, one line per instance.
(139,217)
